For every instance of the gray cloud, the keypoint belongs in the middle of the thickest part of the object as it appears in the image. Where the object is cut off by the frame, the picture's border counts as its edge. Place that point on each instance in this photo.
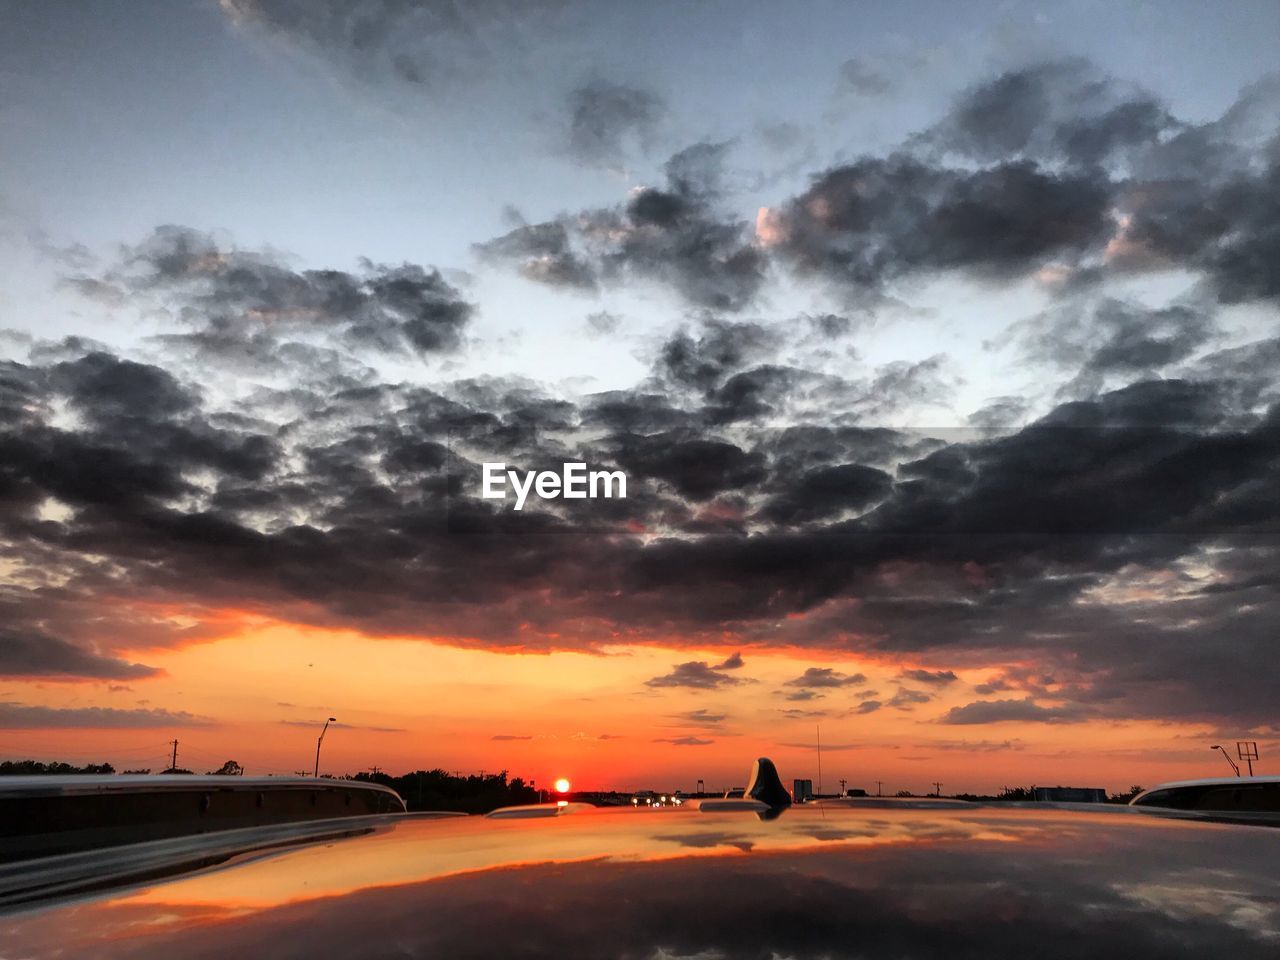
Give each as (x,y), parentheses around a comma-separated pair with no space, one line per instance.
(865,224)
(244,305)
(1049,111)
(1134,514)
(702,718)
(18,716)
(1110,338)
(932,677)
(677,235)
(29,654)
(427,46)
(696,675)
(823,677)
(858,77)
(606,119)
(1025,711)
(907,699)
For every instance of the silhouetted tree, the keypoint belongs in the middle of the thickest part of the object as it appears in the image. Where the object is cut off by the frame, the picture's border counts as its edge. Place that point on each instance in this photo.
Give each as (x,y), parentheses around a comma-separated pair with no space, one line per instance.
(30,768)
(439,790)
(228,769)
(1126,796)
(1017,793)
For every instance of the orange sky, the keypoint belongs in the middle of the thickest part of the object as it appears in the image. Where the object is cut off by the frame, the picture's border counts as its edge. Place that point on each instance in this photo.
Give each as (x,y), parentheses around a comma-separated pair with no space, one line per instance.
(260,694)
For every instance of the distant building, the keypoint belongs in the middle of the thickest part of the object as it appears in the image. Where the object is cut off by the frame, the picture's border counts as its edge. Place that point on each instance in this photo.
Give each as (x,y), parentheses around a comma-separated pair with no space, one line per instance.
(801,790)
(1071,794)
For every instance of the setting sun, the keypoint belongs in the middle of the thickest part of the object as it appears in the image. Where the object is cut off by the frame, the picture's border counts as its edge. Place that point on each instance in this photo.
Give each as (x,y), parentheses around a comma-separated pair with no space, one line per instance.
(562,785)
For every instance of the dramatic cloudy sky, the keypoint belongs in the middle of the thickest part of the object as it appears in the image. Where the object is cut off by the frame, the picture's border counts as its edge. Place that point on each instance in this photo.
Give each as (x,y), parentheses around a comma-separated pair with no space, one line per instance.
(939,347)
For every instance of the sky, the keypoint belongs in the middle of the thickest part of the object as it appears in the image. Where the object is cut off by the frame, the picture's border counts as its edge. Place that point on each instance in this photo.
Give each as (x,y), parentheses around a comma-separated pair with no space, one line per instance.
(938,346)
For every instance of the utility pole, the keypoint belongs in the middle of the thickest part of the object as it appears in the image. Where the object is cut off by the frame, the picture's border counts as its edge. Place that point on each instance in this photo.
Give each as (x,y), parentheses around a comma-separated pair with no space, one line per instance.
(843,786)
(879,784)
(819,728)
(173,765)
(937,788)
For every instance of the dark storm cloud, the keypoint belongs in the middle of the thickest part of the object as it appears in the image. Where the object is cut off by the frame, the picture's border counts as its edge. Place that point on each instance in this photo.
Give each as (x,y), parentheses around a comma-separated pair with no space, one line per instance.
(606,119)
(1057,166)
(1063,109)
(822,677)
(827,492)
(696,468)
(238,303)
(764,506)
(863,225)
(18,716)
(704,358)
(1228,231)
(363,514)
(678,235)
(1025,711)
(25,654)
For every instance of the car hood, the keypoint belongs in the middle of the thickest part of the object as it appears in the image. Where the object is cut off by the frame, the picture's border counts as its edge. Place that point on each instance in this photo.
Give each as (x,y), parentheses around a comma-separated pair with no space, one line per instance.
(814,882)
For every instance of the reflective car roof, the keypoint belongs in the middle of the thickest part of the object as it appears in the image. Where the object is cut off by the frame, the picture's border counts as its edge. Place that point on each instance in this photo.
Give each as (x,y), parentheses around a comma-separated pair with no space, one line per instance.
(816,881)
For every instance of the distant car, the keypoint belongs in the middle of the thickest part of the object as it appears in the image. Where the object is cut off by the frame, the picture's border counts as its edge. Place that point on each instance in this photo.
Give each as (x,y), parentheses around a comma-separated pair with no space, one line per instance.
(1226,795)
(714,878)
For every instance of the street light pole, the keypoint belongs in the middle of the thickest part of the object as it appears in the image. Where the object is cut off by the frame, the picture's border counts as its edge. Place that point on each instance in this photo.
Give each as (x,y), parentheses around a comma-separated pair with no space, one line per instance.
(1234,766)
(320,740)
